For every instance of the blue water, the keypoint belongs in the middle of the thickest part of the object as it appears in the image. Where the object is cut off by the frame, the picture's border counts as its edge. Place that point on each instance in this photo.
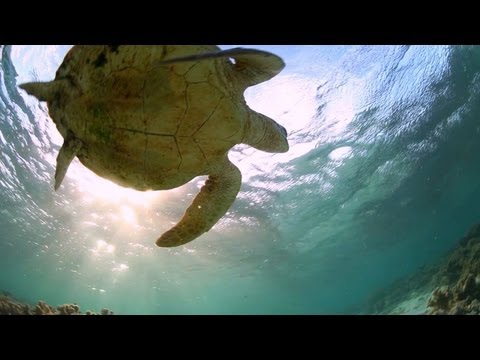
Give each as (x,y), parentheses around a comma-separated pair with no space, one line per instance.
(381,179)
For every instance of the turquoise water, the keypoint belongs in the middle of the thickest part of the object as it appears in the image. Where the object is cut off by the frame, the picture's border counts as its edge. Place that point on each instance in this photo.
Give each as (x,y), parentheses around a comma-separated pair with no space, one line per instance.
(381,179)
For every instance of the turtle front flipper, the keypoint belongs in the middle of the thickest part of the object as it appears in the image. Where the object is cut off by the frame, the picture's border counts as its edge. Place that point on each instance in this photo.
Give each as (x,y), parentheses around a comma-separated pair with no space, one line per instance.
(68,151)
(256,66)
(213,201)
(251,66)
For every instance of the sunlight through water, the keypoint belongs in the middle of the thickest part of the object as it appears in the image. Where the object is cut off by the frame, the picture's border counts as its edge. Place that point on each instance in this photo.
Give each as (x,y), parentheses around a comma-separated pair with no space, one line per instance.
(379,180)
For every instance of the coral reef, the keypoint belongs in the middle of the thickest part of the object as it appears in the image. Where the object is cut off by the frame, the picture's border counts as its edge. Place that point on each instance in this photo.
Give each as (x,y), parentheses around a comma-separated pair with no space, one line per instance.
(449,287)
(460,279)
(457,300)
(43,309)
(407,295)
(11,306)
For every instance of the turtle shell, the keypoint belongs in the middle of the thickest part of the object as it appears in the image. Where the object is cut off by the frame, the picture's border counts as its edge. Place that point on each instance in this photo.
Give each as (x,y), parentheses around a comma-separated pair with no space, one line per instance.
(144,124)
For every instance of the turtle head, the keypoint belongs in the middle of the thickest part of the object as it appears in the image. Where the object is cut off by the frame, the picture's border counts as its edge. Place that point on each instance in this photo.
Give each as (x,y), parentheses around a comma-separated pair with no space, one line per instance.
(265,134)
(277,138)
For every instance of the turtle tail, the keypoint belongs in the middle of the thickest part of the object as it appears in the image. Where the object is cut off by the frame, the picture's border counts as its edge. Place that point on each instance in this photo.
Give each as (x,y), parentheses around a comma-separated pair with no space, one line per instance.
(43,91)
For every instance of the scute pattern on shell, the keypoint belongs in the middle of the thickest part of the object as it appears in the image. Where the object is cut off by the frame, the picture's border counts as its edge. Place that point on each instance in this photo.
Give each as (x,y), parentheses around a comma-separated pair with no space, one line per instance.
(155,117)
(167,123)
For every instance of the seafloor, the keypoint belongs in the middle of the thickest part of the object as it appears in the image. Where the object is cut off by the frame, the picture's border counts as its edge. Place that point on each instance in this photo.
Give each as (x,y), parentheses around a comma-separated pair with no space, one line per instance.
(449,287)
(11,306)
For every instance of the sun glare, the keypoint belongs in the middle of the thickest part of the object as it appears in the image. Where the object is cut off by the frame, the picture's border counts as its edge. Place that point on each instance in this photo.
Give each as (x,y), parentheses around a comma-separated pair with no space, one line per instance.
(101,189)
(289,99)
(120,268)
(102,247)
(128,214)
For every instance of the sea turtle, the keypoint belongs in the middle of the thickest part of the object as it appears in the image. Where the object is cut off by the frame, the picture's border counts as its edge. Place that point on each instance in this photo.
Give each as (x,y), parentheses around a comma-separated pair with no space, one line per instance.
(155,117)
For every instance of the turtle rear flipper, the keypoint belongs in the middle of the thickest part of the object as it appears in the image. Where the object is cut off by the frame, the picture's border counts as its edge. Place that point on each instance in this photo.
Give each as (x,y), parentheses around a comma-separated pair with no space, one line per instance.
(67,153)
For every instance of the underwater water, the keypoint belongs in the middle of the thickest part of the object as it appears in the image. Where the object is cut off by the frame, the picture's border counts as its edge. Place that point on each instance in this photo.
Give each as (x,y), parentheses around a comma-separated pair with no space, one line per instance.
(382,178)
